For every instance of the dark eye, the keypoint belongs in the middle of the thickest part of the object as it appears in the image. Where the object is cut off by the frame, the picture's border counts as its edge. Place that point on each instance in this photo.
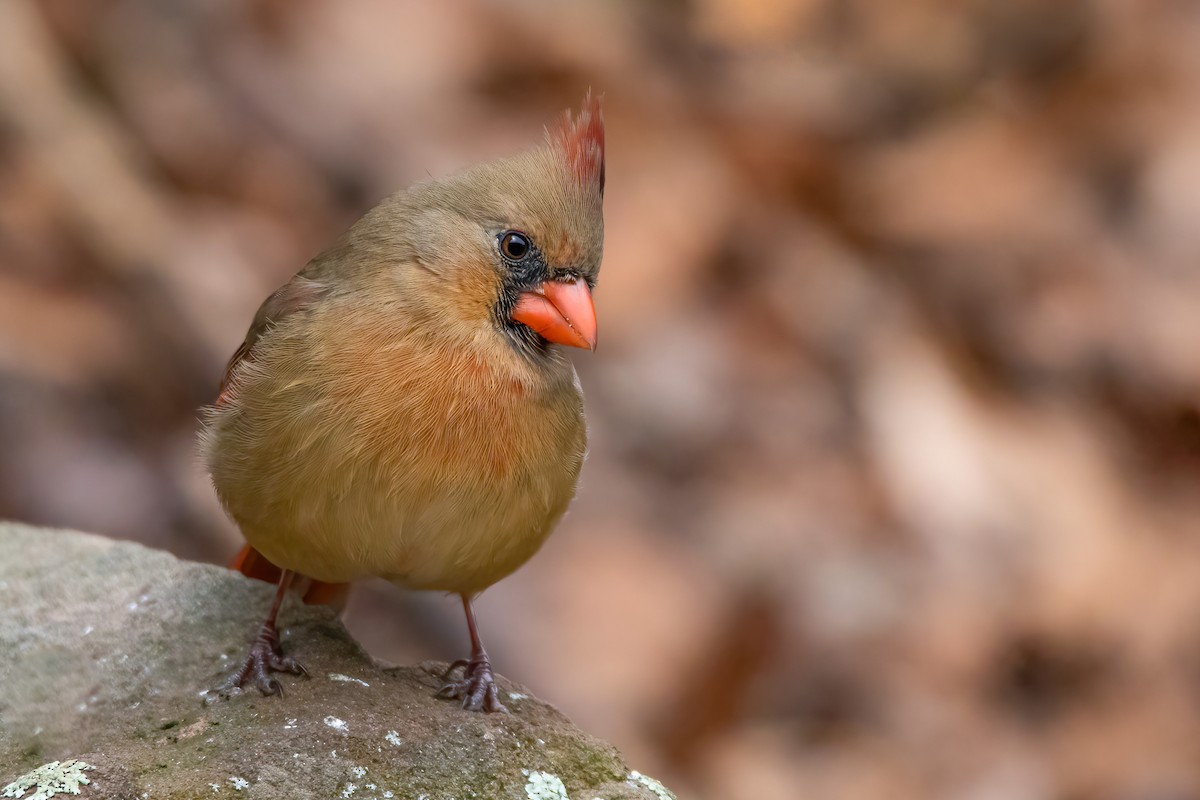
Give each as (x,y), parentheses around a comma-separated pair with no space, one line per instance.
(515,245)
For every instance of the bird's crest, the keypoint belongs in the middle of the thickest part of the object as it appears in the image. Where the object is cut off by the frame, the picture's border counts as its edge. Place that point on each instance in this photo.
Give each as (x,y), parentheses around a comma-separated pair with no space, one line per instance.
(580,140)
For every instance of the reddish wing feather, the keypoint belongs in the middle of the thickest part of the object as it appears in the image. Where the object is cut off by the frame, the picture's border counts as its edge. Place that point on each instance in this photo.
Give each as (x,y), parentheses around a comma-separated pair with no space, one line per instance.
(254,564)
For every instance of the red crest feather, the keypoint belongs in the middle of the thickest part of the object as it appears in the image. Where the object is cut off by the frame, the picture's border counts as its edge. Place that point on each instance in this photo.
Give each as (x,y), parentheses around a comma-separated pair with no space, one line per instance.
(581,141)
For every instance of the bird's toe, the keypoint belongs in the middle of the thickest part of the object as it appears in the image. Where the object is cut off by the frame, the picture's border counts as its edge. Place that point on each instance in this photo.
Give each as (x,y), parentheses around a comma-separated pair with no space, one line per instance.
(263,659)
(477,688)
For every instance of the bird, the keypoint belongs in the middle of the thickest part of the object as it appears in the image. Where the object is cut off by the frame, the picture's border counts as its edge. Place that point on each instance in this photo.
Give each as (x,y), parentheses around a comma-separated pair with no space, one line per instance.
(403,407)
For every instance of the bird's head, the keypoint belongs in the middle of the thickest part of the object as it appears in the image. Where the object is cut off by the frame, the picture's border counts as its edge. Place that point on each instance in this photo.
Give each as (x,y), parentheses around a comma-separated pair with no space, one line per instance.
(516,243)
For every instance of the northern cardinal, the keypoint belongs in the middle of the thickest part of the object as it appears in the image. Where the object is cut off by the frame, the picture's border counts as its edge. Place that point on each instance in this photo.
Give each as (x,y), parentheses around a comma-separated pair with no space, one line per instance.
(401,407)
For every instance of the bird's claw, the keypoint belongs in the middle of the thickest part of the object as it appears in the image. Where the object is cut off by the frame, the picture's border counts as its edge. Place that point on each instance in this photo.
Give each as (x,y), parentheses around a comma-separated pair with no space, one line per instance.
(264,658)
(462,662)
(477,689)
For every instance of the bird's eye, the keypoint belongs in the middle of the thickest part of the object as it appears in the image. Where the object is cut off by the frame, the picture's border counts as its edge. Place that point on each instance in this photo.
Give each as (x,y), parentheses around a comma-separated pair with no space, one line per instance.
(515,245)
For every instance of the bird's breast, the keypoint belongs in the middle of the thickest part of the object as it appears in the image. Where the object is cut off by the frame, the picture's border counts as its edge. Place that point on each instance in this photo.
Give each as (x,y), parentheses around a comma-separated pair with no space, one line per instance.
(430,464)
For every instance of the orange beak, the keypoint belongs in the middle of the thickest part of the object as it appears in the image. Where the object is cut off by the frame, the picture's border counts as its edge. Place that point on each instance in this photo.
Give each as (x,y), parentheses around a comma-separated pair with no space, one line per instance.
(560,312)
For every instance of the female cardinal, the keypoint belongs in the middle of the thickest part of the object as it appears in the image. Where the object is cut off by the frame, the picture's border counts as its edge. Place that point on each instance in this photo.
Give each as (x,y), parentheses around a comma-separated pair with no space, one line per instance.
(400,407)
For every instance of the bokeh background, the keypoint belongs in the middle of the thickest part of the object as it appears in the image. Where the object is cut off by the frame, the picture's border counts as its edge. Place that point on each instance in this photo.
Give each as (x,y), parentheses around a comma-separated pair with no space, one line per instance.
(896,418)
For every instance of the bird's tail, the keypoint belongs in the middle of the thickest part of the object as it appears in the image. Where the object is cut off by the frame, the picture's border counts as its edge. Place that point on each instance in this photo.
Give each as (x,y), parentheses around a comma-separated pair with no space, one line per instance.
(254,564)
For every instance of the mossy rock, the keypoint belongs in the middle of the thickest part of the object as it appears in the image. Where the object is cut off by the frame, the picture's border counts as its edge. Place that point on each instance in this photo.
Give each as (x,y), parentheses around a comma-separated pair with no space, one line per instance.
(106,649)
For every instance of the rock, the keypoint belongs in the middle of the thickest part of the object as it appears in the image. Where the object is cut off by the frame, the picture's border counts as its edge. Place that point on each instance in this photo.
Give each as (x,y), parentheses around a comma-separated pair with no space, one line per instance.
(106,652)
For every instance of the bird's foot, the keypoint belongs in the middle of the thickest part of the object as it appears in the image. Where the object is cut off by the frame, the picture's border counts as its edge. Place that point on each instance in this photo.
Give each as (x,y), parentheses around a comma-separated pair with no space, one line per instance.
(265,657)
(476,689)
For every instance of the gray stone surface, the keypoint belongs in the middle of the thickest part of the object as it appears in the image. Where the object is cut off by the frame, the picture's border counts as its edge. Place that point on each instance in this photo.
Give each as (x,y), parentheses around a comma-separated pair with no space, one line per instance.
(106,649)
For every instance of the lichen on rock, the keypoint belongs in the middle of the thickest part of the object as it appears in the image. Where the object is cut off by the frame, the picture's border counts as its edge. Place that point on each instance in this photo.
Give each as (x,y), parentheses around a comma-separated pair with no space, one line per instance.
(57,777)
(544,786)
(662,792)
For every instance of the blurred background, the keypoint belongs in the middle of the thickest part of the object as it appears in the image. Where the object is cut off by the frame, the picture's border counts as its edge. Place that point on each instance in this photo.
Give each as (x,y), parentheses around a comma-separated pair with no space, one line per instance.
(896,420)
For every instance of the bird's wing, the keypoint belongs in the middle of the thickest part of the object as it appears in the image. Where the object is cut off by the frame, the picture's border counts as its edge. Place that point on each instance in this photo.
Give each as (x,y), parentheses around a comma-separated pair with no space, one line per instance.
(296,295)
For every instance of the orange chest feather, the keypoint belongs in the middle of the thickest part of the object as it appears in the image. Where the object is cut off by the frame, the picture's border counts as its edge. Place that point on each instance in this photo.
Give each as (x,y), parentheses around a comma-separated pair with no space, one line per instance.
(457,418)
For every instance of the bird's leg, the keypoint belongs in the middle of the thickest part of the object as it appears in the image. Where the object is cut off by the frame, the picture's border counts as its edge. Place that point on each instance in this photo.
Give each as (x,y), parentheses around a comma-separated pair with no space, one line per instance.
(477,689)
(265,654)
